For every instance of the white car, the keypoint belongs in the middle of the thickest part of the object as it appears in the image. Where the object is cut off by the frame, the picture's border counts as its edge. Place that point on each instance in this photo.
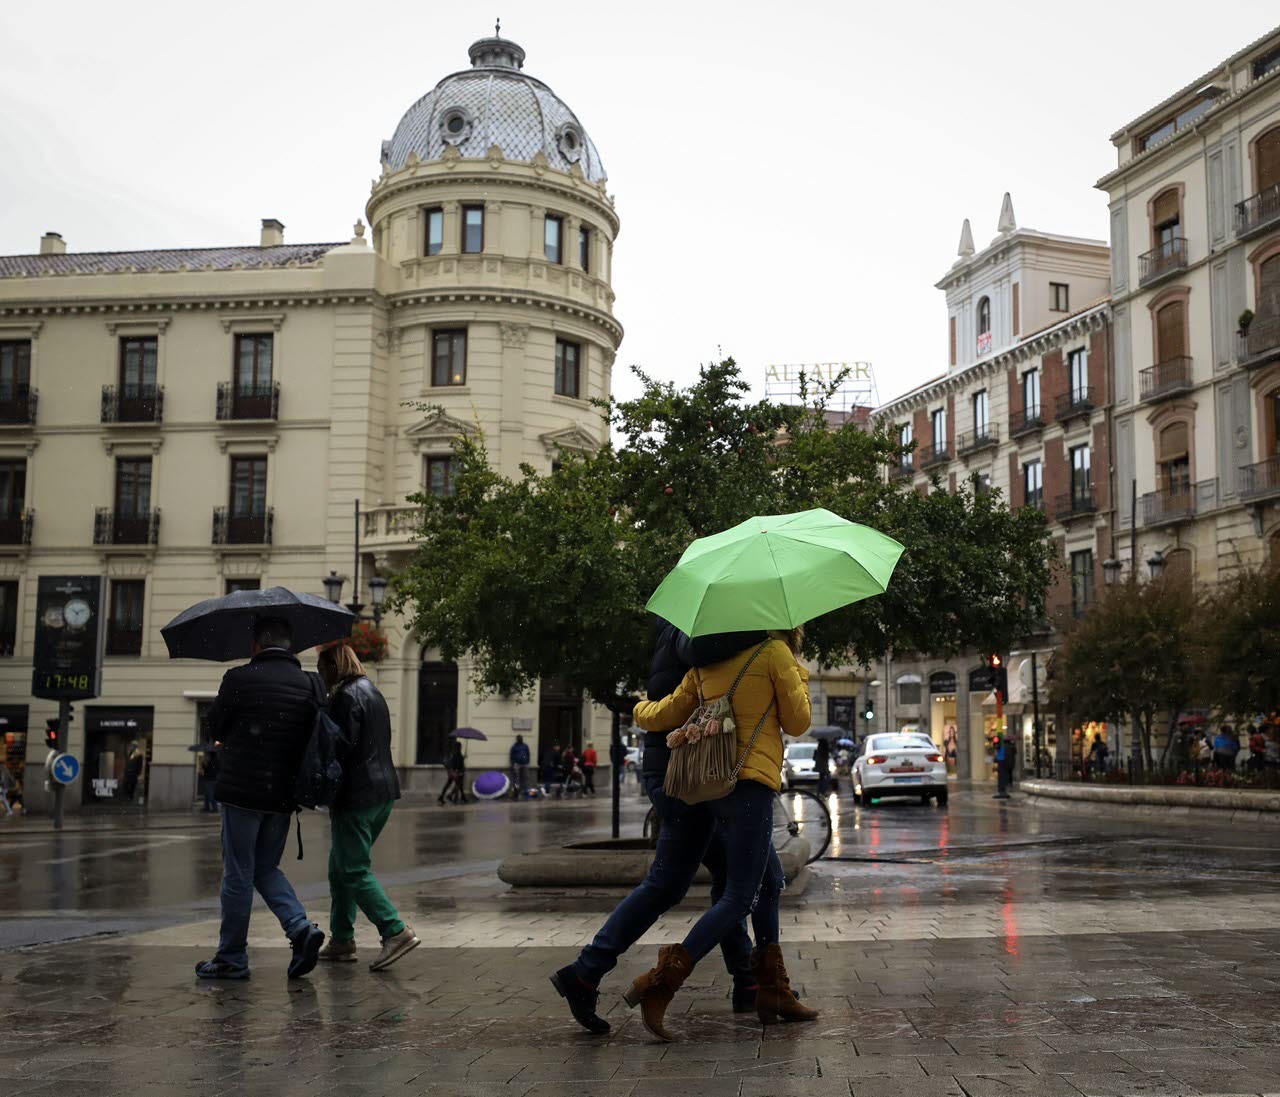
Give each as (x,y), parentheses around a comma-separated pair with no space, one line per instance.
(899,765)
(798,766)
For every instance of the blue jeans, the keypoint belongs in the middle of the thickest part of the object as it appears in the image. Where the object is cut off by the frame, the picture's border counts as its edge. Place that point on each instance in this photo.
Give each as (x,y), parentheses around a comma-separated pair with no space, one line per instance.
(252,845)
(689,837)
(754,880)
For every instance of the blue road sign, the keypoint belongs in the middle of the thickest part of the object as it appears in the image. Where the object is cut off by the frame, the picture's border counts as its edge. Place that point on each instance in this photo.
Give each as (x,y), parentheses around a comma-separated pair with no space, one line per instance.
(65,769)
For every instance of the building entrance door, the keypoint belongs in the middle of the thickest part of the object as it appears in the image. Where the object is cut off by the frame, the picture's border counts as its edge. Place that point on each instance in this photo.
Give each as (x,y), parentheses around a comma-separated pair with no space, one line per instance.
(559,717)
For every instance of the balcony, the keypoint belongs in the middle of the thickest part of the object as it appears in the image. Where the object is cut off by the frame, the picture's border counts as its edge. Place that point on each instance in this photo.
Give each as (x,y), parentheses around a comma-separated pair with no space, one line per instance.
(132,404)
(261,402)
(1163,261)
(110,528)
(976,440)
(1075,504)
(18,405)
(1260,481)
(1258,213)
(902,470)
(396,526)
(1169,506)
(1260,344)
(15,527)
(1165,379)
(1076,402)
(932,456)
(1025,422)
(242,529)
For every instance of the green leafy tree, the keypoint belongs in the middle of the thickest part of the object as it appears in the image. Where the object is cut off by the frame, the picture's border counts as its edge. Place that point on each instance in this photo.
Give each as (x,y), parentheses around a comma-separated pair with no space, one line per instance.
(1240,634)
(548,575)
(1131,658)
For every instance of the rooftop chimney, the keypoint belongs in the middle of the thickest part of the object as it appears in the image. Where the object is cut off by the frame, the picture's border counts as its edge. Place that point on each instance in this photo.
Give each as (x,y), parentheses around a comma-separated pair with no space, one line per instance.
(272,233)
(51,243)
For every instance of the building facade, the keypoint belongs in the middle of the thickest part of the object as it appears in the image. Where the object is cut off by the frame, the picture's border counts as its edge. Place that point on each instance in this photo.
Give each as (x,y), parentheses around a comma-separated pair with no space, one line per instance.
(1195,227)
(1022,408)
(189,422)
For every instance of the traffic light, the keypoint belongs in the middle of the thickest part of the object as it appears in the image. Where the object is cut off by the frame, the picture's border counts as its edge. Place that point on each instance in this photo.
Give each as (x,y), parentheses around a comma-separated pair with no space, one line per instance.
(869,710)
(999,676)
(51,733)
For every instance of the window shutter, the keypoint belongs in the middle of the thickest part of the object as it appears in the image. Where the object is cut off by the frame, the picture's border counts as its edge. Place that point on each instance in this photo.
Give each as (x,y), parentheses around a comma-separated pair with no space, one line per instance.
(1173,442)
(1169,334)
(1267,151)
(1269,287)
(1165,207)
(1016,312)
(953,340)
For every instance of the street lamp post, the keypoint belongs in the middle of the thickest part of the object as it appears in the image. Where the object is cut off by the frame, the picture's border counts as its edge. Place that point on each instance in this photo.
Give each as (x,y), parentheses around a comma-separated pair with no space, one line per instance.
(1111,571)
(333,584)
(1155,564)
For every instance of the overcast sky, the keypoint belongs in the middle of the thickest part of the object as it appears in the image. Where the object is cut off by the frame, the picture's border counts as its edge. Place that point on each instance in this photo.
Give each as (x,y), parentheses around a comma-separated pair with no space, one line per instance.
(791,178)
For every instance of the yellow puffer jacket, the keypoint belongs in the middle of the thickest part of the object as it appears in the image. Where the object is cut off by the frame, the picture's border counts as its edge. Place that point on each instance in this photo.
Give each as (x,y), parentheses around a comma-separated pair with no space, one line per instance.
(775,673)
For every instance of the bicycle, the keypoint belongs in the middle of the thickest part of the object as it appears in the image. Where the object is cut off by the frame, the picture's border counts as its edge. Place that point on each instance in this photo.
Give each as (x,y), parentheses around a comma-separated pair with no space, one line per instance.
(797,813)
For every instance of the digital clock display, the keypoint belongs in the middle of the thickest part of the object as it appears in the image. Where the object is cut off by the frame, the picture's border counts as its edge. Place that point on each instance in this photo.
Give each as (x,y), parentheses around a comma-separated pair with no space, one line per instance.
(69,637)
(68,685)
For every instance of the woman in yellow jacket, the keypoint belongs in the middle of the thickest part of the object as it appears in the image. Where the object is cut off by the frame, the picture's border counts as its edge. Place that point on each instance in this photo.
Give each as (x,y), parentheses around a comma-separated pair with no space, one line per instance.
(774,696)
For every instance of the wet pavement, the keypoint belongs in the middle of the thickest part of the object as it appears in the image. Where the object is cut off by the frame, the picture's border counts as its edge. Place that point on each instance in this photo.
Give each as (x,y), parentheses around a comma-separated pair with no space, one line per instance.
(983,949)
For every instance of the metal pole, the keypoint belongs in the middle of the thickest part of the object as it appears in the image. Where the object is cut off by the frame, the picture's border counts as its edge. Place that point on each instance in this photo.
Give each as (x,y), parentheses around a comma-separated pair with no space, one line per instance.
(617,757)
(355,571)
(64,729)
(1035,712)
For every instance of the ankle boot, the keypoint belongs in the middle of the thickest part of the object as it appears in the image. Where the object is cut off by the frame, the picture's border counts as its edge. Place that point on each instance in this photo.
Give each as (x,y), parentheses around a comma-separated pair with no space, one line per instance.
(653,991)
(774,999)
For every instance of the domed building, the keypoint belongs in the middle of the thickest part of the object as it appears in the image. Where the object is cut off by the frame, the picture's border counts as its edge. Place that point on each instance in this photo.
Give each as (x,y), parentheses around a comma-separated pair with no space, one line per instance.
(186,422)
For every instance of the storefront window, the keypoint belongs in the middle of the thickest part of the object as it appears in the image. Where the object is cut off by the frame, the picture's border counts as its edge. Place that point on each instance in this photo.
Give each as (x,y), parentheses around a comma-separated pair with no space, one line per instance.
(13,757)
(117,765)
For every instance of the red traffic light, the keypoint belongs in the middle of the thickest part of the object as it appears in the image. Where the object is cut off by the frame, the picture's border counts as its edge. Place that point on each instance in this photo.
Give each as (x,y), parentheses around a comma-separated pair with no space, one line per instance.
(995,660)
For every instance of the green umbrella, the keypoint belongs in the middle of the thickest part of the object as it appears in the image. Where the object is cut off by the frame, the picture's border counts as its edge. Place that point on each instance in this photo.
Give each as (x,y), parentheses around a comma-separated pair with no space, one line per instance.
(775,571)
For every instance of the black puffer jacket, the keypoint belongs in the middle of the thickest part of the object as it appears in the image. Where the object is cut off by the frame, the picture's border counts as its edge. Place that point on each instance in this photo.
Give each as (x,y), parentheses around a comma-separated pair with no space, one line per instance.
(263,717)
(673,654)
(368,773)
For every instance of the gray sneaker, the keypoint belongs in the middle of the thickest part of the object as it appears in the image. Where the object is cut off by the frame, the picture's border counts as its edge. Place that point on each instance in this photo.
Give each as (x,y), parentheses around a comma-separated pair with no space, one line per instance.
(395,947)
(341,951)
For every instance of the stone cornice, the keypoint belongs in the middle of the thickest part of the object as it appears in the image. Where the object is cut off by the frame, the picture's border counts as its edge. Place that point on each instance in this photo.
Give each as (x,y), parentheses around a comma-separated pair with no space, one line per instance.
(1036,345)
(126,309)
(518,298)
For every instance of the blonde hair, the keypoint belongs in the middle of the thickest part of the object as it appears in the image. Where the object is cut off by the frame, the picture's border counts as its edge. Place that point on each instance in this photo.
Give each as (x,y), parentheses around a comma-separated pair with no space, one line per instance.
(337,664)
(792,637)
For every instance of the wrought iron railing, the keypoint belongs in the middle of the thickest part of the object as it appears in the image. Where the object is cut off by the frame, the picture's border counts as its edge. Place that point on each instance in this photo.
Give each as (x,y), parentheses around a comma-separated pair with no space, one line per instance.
(16,527)
(1167,378)
(1079,401)
(1075,503)
(972,441)
(1260,342)
(18,404)
(1258,212)
(1025,421)
(242,529)
(258,402)
(1260,481)
(1164,259)
(110,528)
(934,455)
(901,470)
(1168,505)
(132,404)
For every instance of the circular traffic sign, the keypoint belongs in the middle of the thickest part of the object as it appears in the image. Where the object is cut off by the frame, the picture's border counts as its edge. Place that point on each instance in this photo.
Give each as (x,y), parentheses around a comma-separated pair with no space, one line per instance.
(65,768)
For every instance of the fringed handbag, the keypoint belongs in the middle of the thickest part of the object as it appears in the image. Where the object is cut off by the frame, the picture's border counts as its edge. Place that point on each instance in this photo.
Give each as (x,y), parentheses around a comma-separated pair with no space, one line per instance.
(703,753)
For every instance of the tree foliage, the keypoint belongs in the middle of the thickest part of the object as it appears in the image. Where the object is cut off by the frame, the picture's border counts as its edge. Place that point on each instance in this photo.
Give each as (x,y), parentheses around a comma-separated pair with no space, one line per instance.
(547,575)
(1131,657)
(1239,634)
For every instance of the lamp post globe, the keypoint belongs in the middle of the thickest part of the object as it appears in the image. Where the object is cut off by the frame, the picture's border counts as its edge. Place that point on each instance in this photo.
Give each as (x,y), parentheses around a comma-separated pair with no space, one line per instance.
(377,596)
(1155,564)
(1110,571)
(333,587)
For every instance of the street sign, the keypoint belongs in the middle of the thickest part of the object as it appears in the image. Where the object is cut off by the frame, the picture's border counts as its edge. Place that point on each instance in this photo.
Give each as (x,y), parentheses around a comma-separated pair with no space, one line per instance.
(65,768)
(70,630)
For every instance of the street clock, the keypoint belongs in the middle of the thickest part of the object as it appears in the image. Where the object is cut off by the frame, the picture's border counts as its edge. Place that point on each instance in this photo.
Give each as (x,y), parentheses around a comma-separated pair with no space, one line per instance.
(70,630)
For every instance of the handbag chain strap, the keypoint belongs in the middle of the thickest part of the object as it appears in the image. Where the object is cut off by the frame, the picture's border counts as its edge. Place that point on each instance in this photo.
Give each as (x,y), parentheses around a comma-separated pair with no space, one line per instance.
(751,745)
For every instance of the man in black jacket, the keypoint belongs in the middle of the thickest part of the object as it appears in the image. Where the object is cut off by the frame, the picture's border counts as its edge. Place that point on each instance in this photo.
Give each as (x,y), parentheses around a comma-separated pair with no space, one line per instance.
(263,717)
(673,654)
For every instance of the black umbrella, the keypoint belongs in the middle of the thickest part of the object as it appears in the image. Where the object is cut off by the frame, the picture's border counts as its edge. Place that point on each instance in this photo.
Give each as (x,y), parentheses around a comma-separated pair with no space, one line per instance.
(222,628)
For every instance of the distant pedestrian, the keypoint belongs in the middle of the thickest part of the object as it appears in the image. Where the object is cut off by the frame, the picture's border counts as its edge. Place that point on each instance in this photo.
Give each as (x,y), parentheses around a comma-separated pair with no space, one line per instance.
(133,767)
(590,759)
(822,765)
(263,716)
(1204,753)
(455,785)
(1272,734)
(1098,754)
(360,811)
(1006,754)
(6,788)
(1225,747)
(519,757)
(209,774)
(1257,751)
(552,774)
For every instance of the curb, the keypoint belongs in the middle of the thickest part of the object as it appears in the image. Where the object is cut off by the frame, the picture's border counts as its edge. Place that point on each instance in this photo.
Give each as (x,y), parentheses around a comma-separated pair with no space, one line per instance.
(1166,802)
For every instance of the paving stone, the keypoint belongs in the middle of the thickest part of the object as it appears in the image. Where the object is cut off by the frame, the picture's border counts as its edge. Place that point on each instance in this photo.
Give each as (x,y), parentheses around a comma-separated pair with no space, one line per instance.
(1117,1084)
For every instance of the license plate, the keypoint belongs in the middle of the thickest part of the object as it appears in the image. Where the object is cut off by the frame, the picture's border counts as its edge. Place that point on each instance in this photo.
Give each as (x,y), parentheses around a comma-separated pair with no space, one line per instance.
(907,769)
(908,780)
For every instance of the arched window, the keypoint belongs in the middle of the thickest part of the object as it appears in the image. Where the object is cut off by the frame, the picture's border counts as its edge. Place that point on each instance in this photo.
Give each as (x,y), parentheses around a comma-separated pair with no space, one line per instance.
(1266,160)
(1174,450)
(1171,341)
(984,316)
(1269,287)
(1177,565)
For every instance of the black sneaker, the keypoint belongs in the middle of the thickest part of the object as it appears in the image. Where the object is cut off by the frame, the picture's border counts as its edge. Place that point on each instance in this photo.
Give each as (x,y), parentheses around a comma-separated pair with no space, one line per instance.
(306,951)
(582,998)
(220,969)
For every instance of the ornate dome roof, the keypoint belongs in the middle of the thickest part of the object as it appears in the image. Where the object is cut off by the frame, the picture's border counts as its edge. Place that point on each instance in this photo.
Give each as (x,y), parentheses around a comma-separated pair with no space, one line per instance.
(494,103)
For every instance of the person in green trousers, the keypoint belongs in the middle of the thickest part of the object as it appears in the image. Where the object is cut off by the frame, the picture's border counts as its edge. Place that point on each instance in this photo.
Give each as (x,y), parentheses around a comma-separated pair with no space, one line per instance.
(369,789)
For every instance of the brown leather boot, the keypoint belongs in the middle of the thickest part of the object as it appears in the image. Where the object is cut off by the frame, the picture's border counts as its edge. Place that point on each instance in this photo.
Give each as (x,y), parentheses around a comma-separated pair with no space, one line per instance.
(774,999)
(653,991)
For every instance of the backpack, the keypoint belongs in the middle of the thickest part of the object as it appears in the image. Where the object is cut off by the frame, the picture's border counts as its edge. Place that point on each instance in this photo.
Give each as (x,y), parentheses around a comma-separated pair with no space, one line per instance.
(319,779)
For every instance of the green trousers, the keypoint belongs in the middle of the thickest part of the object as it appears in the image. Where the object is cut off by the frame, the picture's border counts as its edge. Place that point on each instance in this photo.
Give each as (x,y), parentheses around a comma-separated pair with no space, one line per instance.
(351,880)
